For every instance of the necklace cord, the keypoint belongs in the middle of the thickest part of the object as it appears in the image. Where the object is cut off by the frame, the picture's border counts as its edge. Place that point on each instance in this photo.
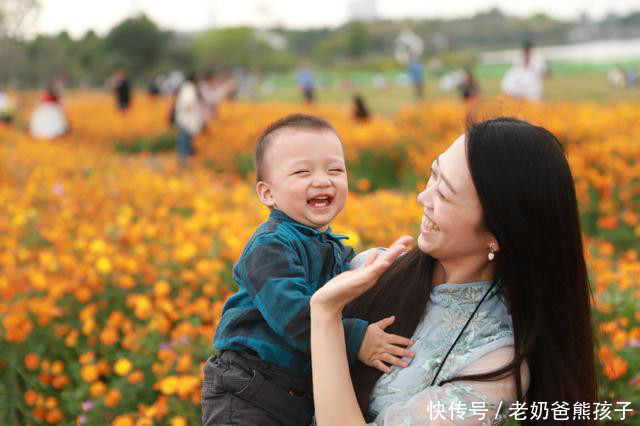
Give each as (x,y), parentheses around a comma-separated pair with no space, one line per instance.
(460,334)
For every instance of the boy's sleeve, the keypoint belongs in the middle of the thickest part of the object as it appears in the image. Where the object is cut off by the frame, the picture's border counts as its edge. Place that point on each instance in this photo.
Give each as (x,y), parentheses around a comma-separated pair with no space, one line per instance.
(272,273)
(354,331)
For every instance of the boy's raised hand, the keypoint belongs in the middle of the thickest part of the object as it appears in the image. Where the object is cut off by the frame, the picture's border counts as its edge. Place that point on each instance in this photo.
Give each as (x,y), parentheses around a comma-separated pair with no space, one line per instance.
(379,347)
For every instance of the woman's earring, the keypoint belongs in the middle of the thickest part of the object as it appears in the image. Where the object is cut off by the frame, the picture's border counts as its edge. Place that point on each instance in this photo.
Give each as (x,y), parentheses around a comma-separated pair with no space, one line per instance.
(492,252)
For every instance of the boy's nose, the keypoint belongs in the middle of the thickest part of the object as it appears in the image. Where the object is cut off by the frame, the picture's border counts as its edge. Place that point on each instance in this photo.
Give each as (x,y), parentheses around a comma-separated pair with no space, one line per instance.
(321,181)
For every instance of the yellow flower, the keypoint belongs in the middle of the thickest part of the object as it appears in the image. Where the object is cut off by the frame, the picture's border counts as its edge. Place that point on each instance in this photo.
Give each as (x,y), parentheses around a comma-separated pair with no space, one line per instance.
(126,420)
(103,265)
(162,289)
(122,367)
(178,421)
(169,385)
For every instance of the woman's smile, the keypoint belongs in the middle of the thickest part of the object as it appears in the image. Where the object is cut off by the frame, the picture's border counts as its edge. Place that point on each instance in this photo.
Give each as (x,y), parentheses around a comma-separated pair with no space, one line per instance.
(428,226)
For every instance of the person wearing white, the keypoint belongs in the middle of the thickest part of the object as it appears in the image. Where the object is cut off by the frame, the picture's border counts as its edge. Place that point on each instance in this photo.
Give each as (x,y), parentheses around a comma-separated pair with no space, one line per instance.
(48,120)
(189,118)
(525,79)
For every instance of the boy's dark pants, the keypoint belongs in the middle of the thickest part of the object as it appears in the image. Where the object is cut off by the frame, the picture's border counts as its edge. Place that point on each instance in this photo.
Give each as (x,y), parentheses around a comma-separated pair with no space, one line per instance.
(241,389)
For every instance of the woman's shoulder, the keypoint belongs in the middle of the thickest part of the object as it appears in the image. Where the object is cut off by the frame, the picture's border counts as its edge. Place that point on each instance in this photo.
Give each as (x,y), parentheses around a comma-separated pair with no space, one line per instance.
(361,257)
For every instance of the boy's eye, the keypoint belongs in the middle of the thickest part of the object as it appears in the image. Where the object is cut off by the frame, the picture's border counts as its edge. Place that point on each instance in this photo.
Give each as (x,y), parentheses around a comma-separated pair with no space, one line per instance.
(336,170)
(297,172)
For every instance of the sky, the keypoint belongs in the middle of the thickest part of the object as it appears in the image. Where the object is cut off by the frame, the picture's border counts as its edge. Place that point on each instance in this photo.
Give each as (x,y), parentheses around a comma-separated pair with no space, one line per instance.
(78,16)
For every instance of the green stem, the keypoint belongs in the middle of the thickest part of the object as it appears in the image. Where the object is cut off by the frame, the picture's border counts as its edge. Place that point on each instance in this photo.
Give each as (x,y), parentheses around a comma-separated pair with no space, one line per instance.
(12,390)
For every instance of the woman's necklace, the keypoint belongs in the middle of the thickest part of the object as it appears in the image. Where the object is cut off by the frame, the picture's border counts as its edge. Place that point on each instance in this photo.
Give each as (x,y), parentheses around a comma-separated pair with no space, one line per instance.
(460,334)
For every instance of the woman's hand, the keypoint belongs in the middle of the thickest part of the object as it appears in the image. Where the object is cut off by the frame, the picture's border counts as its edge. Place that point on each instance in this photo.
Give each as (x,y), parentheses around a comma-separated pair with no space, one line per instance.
(342,289)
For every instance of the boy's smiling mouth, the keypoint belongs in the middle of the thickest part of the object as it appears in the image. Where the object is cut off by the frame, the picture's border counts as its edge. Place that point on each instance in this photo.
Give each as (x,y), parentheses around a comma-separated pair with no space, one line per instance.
(320,201)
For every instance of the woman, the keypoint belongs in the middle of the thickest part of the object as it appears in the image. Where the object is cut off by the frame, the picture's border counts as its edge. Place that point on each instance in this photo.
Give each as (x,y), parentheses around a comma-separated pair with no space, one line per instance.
(495,295)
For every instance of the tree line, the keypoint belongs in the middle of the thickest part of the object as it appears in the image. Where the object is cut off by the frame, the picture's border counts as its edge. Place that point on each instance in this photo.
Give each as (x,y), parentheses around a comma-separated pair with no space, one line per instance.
(146,50)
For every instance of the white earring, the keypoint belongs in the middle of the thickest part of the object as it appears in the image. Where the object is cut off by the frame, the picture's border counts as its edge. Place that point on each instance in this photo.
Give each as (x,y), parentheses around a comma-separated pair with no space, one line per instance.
(492,254)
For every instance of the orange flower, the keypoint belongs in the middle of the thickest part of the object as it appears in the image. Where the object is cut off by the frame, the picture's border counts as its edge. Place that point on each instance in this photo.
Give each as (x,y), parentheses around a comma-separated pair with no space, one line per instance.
(123,421)
(109,336)
(30,397)
(112,398)
(54,416)
(60,382)
(162,289)
(57,367)
(608,222)
(86,357)
(615,368)
(97,389)
(31,361)
(135,377)
(89,373)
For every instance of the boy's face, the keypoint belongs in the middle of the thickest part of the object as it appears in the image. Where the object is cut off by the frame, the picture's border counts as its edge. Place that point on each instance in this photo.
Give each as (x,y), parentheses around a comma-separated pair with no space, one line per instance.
(305,176)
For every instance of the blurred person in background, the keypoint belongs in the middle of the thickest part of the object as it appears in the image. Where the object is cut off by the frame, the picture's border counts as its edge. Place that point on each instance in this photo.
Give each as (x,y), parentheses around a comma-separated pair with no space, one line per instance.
(6,108)
(122,89)
(48,120)
(469,88)
(525,79)
(416,74)
(214,88)
(188,117)
(360,111)
(306,81)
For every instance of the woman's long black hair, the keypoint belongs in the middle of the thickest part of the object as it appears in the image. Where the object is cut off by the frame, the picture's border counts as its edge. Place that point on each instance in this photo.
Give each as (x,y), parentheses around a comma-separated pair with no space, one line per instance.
(527,194)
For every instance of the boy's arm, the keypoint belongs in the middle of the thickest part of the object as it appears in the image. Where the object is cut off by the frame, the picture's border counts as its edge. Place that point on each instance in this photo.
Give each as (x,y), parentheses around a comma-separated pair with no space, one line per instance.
(354,331)
(273,274)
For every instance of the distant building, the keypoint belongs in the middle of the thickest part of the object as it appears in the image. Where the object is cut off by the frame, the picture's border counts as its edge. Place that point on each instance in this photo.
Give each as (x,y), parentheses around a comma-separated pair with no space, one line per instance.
(363,10)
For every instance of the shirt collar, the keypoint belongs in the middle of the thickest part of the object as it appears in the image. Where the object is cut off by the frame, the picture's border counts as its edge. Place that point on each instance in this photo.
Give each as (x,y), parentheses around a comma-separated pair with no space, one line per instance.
(279,215)
(447,294)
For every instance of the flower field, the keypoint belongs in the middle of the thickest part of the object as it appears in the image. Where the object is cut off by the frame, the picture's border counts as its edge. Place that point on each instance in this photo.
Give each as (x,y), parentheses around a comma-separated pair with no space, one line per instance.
(115,266)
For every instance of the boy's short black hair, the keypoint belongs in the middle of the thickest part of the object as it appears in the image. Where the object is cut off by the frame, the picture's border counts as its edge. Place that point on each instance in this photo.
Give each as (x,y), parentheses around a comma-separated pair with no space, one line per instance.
(293,121)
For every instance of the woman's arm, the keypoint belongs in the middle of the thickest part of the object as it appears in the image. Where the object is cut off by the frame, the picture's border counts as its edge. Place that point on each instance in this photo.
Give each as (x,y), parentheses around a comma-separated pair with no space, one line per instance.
(334,397)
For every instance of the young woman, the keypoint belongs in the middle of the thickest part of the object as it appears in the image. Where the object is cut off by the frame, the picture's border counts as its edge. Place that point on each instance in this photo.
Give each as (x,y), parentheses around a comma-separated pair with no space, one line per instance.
(495,295)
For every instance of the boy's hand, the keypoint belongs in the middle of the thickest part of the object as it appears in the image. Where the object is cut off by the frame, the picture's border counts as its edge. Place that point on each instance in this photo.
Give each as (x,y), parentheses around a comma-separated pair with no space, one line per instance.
(379,347)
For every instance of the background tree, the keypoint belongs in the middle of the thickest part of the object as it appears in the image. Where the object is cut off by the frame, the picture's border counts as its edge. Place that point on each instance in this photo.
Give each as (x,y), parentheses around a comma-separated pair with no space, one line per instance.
(137,44)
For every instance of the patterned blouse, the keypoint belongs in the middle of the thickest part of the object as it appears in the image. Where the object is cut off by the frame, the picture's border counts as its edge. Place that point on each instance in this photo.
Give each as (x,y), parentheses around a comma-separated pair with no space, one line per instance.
(405,396)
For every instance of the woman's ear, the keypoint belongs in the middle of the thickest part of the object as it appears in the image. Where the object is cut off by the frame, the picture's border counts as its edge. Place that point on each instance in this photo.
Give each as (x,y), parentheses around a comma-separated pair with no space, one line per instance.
(263,189)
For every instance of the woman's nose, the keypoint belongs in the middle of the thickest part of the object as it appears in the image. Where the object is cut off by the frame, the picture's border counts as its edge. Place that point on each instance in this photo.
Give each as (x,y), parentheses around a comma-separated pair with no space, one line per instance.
(424,199)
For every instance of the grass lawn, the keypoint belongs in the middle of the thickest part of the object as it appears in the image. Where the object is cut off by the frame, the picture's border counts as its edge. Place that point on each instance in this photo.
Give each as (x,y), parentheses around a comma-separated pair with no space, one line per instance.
(567,82)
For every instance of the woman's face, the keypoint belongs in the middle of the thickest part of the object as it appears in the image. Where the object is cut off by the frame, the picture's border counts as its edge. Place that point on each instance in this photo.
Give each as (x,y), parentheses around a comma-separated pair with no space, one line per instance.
(452,227)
